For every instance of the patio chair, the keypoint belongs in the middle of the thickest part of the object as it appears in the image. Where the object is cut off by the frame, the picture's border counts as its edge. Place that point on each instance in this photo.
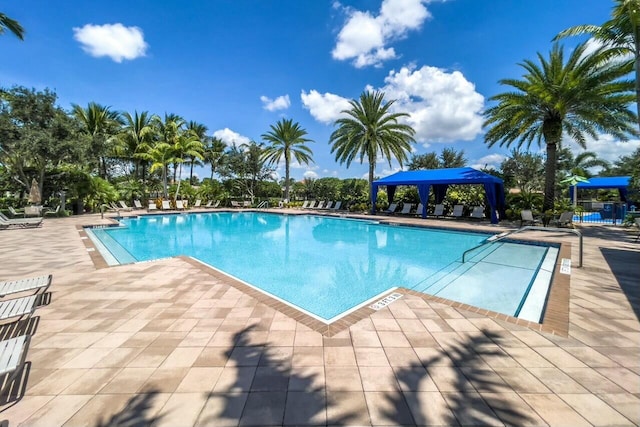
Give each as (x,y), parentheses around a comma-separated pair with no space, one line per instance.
(166,206)
(391,209)
(19,222)
(197,203)
(34,210)
(15,213)
(526,216)
(235,204)
(152,206)
(320,205)
(137,204)
(208,205)
(305,205)
(565,219)
(124,206)
(337,206)
(329,205)
(419,209)
(311,205)
(438,210)
(216,204)
(53,212)
(477,212)
(179,205)
(13,352)
(457,211)
(185,203)
(24,285)
(18,307)
(406,208)
(246,204)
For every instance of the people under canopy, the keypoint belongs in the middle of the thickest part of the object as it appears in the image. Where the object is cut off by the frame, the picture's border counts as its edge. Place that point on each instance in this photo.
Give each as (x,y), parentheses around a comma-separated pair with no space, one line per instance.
(440,180)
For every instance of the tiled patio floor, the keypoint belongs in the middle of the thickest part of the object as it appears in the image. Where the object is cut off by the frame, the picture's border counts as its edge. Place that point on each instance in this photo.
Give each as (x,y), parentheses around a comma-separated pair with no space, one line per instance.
(166,343)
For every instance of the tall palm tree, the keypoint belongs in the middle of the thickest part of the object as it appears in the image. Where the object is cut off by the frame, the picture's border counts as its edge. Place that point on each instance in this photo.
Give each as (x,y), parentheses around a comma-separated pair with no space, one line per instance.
(583,96)
(187,146)
(12,25)
(198,131)
(287,139)
(137,138)
(101,123)
(214,154)
(620,34)
(169,131)
(161,155)
(371,129)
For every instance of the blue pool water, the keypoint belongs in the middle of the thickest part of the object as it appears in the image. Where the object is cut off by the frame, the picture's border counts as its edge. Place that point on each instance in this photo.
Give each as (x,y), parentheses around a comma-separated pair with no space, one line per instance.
(327,266)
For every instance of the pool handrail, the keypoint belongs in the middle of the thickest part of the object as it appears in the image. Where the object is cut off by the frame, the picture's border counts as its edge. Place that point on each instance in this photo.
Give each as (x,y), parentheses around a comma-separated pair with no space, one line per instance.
(501,236)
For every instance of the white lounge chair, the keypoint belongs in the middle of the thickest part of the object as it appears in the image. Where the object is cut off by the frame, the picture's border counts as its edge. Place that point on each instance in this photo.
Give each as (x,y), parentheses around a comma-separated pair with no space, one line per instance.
(477,212)
(391,209)
(19,222)
(13,352)
(337,206)
(305,205)
(406,208)
(152,206)
(15,213)
(179,205)
(197,203)
(24,285)
(216,204)
(457,211)
(53,212)
(137,204)
(166,206)
(526,216)
(124,206)
(320,205)
(235,204)
(312,205)
(329,205)
(18,307)
(246,204)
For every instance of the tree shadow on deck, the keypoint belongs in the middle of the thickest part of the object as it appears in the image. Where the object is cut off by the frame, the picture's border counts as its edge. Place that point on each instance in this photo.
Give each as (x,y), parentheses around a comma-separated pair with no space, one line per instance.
(135,413)
(624,266)
(275,394)
(463,404)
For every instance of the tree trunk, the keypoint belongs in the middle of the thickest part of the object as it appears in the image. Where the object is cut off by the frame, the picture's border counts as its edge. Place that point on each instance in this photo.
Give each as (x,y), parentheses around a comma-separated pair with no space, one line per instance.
(636,39)
(286,177)
(191,173)
(552,132)
(372,168)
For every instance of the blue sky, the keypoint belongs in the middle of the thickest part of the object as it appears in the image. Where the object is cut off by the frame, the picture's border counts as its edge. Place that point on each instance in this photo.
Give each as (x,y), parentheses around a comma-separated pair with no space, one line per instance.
(238,66)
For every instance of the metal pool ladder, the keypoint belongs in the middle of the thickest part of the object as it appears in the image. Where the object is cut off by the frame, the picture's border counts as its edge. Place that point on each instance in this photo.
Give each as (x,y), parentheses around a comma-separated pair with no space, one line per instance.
(501,236)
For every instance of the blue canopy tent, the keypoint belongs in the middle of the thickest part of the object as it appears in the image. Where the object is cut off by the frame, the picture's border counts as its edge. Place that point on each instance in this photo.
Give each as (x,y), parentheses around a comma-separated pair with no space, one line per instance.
(621,183)
(440,179)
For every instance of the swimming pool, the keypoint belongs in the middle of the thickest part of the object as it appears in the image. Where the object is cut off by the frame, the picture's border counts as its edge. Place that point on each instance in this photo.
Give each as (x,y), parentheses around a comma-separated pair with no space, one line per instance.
(329,266)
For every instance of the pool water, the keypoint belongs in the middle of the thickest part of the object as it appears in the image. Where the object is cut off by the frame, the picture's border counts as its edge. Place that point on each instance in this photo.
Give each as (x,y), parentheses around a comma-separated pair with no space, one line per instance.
(328,266)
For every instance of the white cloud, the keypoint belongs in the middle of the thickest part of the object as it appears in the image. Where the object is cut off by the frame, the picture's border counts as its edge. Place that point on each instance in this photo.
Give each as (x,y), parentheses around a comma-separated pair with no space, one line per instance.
(230,137)
(310,174)
(280,103)
(113,40)
(325,108)
(491,161)
(442,106)
(606,147)
(364,37)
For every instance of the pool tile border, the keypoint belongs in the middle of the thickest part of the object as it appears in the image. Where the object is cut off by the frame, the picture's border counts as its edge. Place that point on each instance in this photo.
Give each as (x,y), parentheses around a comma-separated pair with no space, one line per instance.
(555,319)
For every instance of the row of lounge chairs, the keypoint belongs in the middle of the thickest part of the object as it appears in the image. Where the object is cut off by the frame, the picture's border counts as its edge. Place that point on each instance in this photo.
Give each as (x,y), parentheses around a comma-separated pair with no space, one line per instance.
(13,349)
(166,205)
(564,220)
(438,211)
(321,205)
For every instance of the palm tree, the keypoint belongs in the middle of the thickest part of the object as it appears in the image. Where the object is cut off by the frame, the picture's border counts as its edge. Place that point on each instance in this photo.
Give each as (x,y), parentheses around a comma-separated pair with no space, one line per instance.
(581,97)
(137,138)
(370,129)
(161,155)
(287,138)
(187,145)
(12,25)
(214,154)
(100,123)
(580,164)
(620,34)
(198,131)
(169,130)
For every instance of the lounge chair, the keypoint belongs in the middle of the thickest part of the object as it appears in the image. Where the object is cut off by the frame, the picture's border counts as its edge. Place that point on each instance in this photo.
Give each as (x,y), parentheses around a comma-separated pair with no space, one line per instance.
(438,210)
(208,205)
(216,204)
(197,203)
(637,221)
(457,211)
(166,206)
(18,307)
(124,206)
(329,205)
(235,204)
(137,204)
(179,205)
(33,211)
(53,212)
(152,206)
(391,209)
(13,352)
(419,209)
(312,205)
(305,205)
(24,285)
(565,219)
(337,206)
(15,213)
(19,222)
(477,212)
(185,203)
(320,205)
(406,208)
(246,204)
(526,216)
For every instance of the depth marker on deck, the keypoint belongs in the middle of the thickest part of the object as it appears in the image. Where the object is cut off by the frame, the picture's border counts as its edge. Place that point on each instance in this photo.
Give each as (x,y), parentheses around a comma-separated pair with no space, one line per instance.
(565,266)
(385,301)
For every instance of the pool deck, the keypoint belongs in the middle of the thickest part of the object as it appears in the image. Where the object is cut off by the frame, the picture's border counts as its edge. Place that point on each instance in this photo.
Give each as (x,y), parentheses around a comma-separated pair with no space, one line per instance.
(169,343)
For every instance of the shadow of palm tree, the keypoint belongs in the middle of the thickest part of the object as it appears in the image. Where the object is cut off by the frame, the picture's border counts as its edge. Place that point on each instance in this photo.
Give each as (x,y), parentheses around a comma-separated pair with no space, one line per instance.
(275,395)
(624,266)
(135,413)
(463,404)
